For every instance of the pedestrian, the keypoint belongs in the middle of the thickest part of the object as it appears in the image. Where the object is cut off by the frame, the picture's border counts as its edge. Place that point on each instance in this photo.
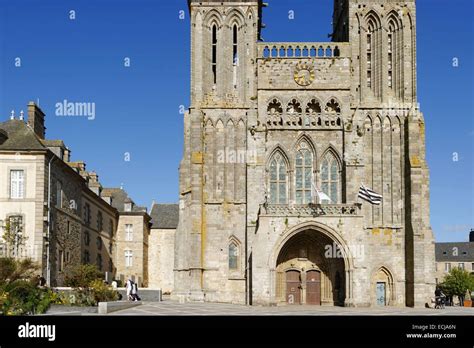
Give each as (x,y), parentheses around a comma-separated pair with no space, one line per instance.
(461,300)
(135,296)
(129,289)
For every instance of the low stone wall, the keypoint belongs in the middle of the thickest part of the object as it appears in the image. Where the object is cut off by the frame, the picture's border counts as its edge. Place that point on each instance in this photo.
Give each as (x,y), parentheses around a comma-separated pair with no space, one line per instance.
(70,310)
(109,307)
(145,294)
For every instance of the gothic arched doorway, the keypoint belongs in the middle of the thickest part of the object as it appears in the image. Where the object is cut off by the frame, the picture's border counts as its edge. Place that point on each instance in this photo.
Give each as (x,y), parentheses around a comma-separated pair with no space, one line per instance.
(310,270)
(383,293)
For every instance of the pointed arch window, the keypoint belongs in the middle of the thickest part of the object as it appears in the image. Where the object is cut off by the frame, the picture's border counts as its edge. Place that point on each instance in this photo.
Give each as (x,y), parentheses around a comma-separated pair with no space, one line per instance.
(235,54)
(390,54)
(330,178)
(214,53)
(233,256)
(371,54)
(392,49)
(304,174)
(278,180)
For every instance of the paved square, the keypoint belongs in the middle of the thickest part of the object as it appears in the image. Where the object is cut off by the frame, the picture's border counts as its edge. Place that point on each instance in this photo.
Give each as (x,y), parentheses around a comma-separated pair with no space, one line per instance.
(168,307)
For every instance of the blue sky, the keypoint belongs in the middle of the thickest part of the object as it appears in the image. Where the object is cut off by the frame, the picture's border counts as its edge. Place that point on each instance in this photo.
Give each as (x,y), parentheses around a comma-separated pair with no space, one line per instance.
(137,108)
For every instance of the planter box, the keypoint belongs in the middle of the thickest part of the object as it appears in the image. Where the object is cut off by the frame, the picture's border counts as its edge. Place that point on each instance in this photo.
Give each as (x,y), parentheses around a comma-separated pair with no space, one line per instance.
(467,303)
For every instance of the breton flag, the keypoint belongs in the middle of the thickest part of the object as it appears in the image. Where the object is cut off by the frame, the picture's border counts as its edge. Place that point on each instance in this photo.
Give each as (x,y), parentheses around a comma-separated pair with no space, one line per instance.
(322,196)
(369,195)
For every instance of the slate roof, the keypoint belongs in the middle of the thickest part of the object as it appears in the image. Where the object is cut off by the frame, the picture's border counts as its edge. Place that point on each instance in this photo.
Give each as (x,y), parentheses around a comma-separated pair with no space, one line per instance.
(119,198)
(53,143)
(19,137)
(164,216)
(446,251)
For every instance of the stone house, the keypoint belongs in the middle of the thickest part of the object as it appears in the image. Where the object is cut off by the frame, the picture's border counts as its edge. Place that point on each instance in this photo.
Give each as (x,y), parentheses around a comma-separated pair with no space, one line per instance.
(454,254)
(57,209)
(164,221)
(132,237)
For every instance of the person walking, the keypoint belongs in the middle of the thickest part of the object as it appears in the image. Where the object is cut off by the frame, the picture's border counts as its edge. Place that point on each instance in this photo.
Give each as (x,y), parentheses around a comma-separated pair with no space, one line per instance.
(135,296)
(129,286)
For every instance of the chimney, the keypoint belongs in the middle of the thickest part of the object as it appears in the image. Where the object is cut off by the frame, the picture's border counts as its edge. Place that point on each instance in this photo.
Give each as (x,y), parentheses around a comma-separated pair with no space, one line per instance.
(94,183)
(36,119)
(67,155)
(471,235)
(94,177)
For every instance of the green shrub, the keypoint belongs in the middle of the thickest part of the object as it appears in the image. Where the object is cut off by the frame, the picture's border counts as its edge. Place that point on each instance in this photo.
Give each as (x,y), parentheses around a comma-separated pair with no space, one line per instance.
(119,283)
(19,294)
(103,292)
(12,270)
(97,292)
(23,298)
(82,275)
(89,287)
(82,297)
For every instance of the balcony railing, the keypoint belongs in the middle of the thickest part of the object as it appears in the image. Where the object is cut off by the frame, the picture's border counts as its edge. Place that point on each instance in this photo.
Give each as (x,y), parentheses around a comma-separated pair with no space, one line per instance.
(312,210)
(320,121)
(303,49)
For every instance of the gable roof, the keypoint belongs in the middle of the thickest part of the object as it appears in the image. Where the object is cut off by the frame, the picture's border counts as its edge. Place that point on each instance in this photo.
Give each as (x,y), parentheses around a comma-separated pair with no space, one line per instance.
(164,216)
(19,136)
(119,198)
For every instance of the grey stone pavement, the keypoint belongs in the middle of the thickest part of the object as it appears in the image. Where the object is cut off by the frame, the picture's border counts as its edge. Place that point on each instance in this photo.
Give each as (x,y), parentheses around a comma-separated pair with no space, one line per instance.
(168,307)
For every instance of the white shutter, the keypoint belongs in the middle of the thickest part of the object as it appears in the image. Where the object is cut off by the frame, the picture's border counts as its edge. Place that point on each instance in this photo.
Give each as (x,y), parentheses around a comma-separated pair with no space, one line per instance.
(13,184)
(21,184)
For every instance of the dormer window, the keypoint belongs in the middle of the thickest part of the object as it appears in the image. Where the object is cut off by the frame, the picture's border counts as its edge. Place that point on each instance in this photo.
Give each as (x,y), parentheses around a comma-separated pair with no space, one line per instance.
(128,205)
(3,136)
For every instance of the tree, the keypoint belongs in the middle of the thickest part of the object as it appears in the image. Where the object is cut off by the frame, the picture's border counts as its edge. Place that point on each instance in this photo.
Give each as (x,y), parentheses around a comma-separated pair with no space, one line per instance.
(457,282)
(81,276)
(14,237)
(12,270)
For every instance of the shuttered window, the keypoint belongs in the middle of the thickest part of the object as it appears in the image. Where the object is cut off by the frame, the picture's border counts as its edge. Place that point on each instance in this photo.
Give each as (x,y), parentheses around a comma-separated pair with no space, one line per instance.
(17,184)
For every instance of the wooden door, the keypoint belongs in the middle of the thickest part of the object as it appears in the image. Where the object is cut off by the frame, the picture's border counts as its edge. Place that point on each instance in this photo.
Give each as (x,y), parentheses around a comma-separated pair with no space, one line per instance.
(293,285)
(313,288)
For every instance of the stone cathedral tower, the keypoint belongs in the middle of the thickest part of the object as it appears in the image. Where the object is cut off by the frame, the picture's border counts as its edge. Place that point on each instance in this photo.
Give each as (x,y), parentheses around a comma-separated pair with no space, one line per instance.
(279,138)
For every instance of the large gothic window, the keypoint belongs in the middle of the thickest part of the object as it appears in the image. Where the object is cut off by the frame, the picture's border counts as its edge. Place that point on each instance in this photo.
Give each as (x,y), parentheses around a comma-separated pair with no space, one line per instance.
(304,173)
(278,180)
(330,178)
(370,55)
(373,58)
(390,49)
(394,42)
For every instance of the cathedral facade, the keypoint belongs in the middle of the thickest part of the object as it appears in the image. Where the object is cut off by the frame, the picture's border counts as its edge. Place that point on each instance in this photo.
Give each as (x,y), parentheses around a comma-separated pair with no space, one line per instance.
(278,140)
